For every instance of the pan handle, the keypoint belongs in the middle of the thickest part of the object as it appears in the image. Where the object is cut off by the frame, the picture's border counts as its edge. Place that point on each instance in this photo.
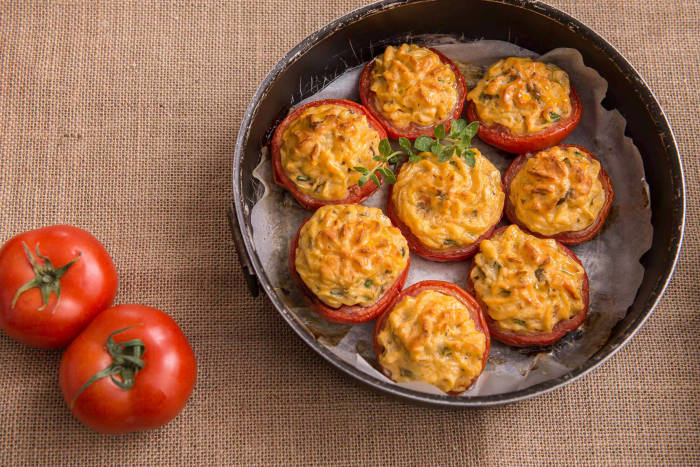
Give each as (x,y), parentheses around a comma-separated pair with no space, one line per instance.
(243,259)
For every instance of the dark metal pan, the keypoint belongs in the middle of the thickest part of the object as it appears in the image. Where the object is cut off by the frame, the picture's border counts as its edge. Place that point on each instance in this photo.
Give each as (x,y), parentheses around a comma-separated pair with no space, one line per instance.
(361,34)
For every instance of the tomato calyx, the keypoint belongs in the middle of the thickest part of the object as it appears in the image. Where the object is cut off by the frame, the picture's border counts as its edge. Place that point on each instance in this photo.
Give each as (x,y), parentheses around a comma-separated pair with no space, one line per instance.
(126,362)
(47,277)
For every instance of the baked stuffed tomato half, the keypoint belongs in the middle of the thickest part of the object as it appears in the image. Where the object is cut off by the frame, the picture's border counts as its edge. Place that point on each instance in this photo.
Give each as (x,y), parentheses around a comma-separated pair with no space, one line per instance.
(349,262)
(411,89)
(561,192)
(435,333)
(315,148)
(524,105)
(533,291)
(445,208)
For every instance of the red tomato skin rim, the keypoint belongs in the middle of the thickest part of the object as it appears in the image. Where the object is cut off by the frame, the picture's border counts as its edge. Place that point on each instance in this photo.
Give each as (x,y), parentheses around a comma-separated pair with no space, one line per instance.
(518,339)
(421,249)
(569,237)
(412,131)
(356,193)
(502,138)
(345,314)
(448,288)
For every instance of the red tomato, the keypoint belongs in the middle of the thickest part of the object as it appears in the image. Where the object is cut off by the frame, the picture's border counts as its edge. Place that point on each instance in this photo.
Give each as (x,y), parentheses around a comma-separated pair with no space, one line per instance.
(571,237)
(501,137)
(446,288)
(412,131)
(344,314)
(53,281)
(432,254)
(535,339)
(356,193)
(158,374)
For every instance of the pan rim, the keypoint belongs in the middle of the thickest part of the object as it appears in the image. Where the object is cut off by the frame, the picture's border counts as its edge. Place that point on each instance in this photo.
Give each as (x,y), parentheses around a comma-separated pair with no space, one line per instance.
(604,353)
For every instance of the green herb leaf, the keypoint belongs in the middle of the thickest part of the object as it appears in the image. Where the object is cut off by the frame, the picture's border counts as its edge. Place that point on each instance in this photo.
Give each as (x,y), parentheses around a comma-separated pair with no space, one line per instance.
(405,144)
(423,143)
(369,283)
(375,179)
(458,126)
(384,147)
(362,170)
(387,174)
(449,242)
(414,158)
(472,129)
(435,148)
(439,131)
(555,117)
(394,158)
(303,178)
(469,157)
(362,180)
(445,153)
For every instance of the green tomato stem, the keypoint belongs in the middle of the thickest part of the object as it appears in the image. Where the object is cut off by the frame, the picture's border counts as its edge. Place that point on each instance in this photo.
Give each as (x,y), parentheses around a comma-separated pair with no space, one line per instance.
(46,277)
(126,362)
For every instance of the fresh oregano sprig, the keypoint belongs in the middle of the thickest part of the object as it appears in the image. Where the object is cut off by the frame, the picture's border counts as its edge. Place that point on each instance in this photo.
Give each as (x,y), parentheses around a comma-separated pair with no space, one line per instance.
(459,137)
(445,146)
(387,159)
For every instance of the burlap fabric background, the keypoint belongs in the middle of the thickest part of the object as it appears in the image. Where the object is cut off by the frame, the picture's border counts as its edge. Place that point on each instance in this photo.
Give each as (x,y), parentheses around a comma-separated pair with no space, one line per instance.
(121,118)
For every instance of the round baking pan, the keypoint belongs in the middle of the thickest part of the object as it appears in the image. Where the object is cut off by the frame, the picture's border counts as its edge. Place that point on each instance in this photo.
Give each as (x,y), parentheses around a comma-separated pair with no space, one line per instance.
(360,35)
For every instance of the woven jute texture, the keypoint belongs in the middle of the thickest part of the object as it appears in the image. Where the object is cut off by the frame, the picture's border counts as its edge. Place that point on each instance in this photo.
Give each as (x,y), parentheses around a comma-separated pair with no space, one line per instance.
(121,118)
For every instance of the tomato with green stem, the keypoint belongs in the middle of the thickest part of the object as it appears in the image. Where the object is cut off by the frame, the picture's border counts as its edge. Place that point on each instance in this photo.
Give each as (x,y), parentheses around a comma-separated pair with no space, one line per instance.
(53,281)
(131,369)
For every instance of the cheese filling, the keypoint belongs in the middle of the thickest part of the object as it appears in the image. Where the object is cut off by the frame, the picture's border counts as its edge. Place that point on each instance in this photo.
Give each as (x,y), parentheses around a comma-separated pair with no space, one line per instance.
(522,95)
(448,205)
(321,147)
(350,254)
(557,190)
(432,338)
(413,86)
(527,284)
